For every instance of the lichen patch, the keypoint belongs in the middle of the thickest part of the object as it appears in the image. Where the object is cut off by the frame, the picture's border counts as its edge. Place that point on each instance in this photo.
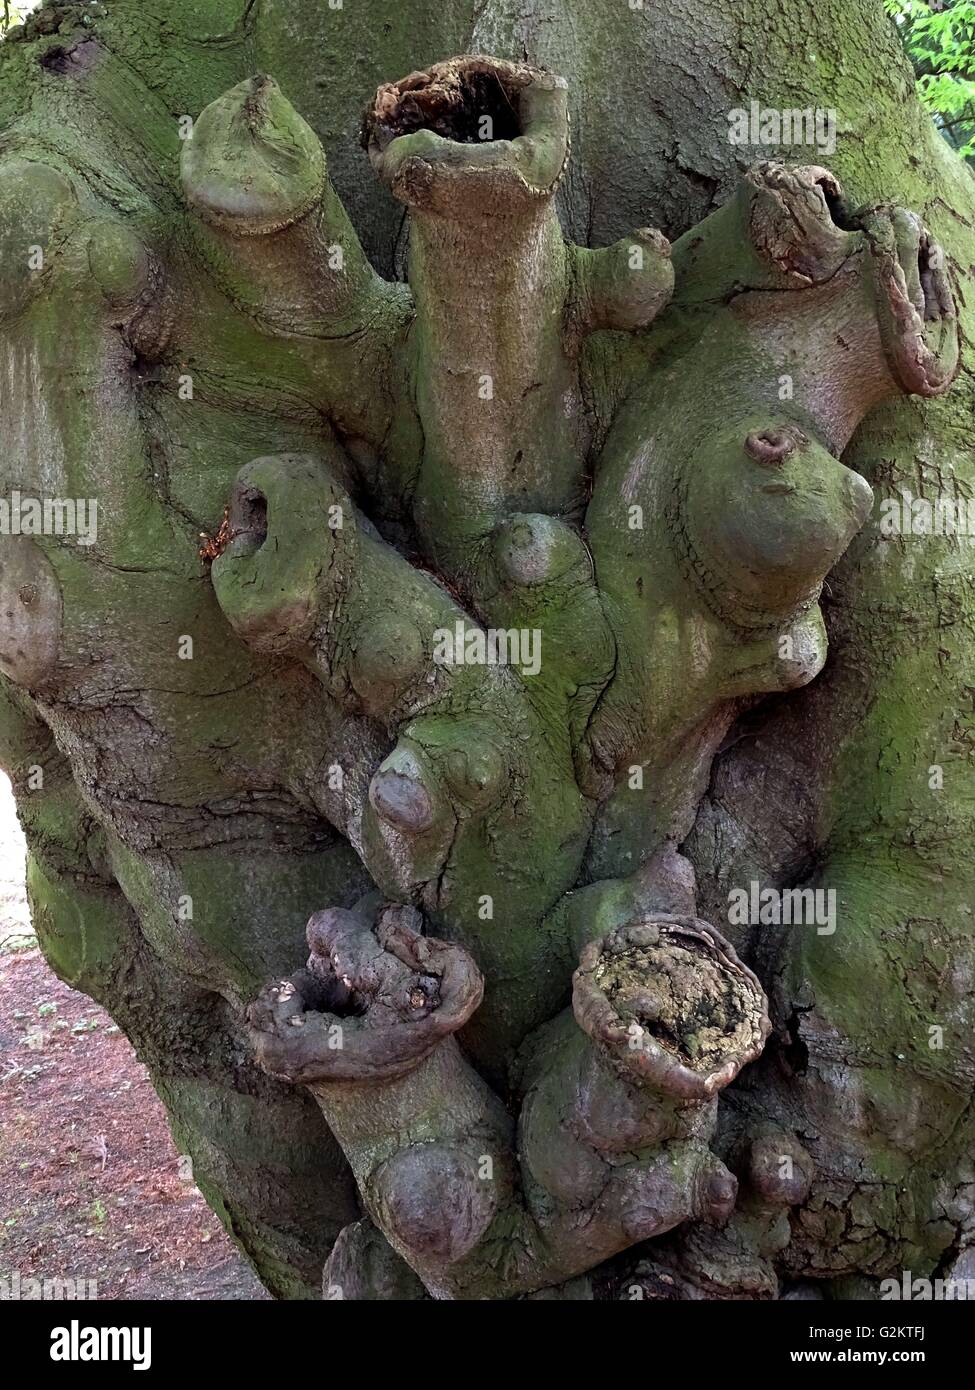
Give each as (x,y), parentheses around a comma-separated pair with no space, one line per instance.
(685,998)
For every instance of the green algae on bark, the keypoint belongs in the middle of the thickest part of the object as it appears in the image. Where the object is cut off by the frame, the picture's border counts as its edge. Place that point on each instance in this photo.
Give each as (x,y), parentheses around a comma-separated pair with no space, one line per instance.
(527,435)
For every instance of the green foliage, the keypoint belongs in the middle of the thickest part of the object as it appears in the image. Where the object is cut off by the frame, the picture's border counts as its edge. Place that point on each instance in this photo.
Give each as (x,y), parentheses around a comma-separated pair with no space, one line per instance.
(939,38)
(11,15)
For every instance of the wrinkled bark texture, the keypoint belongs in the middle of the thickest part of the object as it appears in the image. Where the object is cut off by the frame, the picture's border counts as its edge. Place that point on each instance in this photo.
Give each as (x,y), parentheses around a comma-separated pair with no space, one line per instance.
(432,964)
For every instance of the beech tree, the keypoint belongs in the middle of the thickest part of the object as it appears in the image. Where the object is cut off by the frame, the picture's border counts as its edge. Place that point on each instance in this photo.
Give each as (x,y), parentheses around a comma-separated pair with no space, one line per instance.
(500,743)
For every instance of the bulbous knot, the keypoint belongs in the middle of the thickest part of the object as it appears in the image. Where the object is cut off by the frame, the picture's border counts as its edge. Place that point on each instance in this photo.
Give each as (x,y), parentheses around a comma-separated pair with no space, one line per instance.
(31,612)
(779,1170)
(133,285)
(432,1201)
(37,203)
(439,768)
(532,549)
(763,521)
(399,797)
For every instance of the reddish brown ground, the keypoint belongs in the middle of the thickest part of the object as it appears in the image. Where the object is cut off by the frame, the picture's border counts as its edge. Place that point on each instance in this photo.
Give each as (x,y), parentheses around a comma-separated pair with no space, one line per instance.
(90,1184)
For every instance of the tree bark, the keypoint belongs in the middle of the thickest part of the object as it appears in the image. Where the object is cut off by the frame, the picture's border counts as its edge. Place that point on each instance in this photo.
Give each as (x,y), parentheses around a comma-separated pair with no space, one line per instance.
(436,382)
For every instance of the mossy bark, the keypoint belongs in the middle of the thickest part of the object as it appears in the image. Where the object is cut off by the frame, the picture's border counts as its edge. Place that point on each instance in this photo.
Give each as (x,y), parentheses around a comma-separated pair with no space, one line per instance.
(189,324)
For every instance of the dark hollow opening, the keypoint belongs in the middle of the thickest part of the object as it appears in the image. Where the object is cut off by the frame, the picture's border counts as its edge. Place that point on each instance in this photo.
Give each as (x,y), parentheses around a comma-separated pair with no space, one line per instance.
(926,271)
(477,109)
(322,993)
(70,61)
(838,210)
(251,515)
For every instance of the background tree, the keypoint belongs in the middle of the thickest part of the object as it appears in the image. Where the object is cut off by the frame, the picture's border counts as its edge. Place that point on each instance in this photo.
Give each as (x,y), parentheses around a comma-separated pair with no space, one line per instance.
(939,38)
(444,381)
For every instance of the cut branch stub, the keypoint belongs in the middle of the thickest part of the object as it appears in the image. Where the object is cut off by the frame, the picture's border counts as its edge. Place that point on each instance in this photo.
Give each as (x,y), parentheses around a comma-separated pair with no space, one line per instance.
(879,313)
(791,213)
(793,317)
(367,1028)
(474,134)
(253,166)
(915,306)
(375,1001)
(476,147)
(298,570)
(801,227)
(274,233)
(671,1004)
(283,564)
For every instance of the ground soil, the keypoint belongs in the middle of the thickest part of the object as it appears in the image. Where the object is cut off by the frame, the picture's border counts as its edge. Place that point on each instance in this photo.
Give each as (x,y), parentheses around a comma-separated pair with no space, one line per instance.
(91,1185)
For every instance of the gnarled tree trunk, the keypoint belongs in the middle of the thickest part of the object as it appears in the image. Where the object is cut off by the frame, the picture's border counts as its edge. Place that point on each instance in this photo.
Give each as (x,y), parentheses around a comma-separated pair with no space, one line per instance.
(545,360)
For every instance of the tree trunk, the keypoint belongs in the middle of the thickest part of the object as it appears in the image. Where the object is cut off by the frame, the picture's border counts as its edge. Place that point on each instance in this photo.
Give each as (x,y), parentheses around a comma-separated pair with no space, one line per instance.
(351,415)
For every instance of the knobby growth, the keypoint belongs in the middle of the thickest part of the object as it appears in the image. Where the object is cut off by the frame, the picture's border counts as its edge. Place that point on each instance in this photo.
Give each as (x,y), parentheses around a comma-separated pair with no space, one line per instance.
(512,1018)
